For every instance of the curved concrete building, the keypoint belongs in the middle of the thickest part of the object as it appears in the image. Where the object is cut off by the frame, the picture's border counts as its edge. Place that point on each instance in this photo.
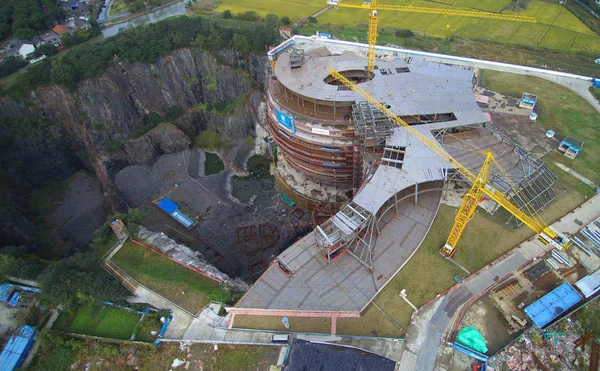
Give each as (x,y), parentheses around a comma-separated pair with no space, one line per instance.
(393,184)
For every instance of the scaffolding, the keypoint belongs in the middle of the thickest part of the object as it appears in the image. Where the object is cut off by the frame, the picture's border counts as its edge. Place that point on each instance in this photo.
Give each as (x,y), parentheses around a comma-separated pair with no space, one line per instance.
(373,128)
(351,229)
(527,184)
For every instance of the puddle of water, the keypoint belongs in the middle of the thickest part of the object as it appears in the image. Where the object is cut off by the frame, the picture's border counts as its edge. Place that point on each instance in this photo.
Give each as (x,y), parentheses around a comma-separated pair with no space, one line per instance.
(213,164)
(259,187)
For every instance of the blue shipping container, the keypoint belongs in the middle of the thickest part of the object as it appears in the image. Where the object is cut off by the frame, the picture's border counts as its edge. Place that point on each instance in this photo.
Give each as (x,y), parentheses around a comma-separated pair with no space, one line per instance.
(553,304)
(171,208)
(16,348)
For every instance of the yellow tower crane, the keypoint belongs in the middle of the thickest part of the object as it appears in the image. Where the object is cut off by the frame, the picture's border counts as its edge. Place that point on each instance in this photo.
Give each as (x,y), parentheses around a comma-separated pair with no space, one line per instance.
(481,186)
(374,20)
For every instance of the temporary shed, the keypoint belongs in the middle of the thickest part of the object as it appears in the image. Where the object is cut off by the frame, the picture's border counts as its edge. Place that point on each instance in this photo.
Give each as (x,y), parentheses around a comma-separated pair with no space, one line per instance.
(589,285)
(171,208)
(16,348)
(570,147)
(553,304)
(26,50)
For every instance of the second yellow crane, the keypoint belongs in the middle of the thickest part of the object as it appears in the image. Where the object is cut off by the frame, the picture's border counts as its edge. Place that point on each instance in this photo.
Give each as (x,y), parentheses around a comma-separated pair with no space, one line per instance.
(480,183)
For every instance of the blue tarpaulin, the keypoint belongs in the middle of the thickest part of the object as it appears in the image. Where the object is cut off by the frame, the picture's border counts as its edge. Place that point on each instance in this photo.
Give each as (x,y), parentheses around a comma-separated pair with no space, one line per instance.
(167,205)
(553,304)
(171,208)
(14,299)
(16,348)
(6,290)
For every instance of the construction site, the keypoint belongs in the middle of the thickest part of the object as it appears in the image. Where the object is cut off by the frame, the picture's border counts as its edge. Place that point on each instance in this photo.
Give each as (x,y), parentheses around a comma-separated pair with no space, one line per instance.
(336,151)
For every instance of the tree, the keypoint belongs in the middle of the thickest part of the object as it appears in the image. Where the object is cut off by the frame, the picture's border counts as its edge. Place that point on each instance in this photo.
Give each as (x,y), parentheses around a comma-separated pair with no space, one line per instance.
(285,20)
(79,278)
(11,65)
(404,33)
(46,49)
(227,14)
(272,19)
(312,20)
(241,43)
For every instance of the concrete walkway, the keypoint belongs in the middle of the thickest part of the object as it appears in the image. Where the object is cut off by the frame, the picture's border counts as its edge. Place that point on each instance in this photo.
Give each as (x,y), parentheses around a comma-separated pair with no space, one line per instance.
(427,329)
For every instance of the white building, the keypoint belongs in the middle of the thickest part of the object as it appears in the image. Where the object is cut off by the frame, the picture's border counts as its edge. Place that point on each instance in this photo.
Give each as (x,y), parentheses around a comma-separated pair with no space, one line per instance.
(26,50)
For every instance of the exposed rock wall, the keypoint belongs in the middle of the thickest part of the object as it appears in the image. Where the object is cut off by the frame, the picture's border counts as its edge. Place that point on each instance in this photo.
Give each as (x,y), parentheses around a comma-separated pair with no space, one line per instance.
(116,105)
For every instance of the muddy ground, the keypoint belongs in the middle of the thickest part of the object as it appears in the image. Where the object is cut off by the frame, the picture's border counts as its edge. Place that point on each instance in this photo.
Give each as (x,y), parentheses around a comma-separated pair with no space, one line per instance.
(209,200)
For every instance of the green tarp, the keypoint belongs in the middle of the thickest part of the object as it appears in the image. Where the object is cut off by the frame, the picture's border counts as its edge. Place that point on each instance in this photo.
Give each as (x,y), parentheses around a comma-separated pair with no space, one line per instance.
(472,339)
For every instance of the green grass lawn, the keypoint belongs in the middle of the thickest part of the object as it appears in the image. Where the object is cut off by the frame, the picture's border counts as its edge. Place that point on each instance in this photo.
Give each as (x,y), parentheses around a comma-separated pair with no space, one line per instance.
(183,286)
(295,9)
(559,39)
(529,34)
(560,110)
(104,321)
(585,43)
(297,324)
(556,27)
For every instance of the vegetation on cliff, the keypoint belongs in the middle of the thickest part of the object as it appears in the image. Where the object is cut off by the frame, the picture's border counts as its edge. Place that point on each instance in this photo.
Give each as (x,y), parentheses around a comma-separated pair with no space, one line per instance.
(145,44)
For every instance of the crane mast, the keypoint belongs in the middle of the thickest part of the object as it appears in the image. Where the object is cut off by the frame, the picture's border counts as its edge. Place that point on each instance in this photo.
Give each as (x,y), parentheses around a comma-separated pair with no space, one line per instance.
(480,187)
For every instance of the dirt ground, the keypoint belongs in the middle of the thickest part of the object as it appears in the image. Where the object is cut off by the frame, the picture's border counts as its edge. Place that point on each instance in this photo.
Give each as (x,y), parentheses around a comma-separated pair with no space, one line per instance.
(180,176)
(486,318)
(8,322)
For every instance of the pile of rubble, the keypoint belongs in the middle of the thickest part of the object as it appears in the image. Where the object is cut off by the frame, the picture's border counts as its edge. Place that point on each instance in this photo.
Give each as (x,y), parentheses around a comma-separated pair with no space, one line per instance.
(553,348)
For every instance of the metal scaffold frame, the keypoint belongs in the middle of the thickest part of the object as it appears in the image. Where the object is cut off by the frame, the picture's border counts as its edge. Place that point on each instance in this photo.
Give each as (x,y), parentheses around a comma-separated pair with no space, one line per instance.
(372,126)
(345,230)
(528,185)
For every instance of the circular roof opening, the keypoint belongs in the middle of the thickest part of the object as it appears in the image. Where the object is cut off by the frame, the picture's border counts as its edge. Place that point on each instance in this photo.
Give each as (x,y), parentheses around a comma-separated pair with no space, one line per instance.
(356,76)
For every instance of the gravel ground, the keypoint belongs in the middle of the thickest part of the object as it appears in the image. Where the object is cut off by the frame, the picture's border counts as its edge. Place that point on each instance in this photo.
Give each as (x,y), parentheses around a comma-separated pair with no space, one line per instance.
(180,176)
(80,210)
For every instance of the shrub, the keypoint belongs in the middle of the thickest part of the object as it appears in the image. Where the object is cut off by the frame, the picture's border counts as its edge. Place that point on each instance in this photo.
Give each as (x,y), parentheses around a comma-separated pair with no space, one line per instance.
(404,33)
(312,20)
(113,146)
(286,20)
(250,15)
(227,14)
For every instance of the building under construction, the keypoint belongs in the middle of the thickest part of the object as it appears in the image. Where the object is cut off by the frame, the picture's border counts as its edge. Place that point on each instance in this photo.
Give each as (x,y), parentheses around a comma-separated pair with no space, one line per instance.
(387,185)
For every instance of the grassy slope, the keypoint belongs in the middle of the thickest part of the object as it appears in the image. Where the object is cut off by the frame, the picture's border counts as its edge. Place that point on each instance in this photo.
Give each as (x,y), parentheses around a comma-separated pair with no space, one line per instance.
(560,110)
(183,286)
(103,321)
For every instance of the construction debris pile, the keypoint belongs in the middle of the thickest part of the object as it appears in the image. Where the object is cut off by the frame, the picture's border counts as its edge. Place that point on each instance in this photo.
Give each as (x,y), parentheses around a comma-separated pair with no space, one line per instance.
(558,347)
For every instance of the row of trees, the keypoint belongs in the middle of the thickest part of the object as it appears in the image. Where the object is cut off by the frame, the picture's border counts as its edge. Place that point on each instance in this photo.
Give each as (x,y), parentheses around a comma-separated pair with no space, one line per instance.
(76,279)
(26,18)
(145,44)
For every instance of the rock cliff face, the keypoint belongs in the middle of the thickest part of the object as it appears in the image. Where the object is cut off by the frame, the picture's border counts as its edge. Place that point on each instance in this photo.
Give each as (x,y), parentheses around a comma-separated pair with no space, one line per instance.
(116,106)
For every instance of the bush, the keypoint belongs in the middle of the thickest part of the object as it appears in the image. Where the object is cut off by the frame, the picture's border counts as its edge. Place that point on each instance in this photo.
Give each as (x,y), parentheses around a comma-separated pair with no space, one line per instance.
(250,15)
(312,20)
(286,20)
(596,92)
(227,14)
(272,18)
(404,33)
(209,139)
(11,65)
(113,146)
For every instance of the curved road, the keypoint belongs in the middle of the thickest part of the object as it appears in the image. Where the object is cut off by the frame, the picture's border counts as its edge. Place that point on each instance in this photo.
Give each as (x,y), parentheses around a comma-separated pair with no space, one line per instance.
(424,349)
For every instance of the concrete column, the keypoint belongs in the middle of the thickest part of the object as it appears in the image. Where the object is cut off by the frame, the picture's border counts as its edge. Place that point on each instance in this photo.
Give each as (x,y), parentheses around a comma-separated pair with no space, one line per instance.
(416,193)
